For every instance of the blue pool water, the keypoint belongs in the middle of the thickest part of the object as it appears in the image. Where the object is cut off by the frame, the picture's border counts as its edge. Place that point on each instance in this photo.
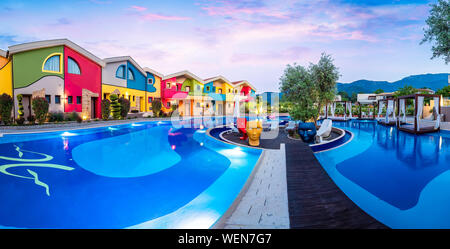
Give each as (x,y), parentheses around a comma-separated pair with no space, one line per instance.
(402,180)
(143,175)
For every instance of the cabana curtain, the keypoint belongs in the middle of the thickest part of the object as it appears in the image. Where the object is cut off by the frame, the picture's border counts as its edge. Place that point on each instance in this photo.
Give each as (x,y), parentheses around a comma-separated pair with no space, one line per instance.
(402,112)
(389,110)
(419,110)
(349,108)
(438,115)
(380,107)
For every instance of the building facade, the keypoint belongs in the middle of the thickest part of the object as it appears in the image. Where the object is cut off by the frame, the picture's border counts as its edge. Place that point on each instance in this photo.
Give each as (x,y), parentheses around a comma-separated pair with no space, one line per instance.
(68,76)
(74,80)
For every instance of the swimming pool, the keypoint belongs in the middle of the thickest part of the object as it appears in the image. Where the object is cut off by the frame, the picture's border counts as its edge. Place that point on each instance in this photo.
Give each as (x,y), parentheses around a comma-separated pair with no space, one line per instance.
(140,175)
(402,180)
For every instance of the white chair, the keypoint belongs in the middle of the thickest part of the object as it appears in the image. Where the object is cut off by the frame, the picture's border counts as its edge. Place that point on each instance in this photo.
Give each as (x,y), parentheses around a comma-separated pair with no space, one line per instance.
(324,130)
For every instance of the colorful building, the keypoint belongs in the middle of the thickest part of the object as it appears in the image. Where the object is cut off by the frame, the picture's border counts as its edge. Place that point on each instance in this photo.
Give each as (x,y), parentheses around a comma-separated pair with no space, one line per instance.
(123,76)
(68,76)
(5,74)
(244,88)
(154,79)
(74,80)
(222,94)
(184,89)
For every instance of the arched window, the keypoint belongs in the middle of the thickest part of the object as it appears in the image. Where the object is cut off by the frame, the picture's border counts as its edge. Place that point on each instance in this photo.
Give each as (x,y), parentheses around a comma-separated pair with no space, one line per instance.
(52,63)
(120,73)
(130,74)
(72,66)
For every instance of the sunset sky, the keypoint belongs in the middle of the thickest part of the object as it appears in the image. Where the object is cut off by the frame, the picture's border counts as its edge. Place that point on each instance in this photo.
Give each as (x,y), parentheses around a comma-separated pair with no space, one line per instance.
(239,39)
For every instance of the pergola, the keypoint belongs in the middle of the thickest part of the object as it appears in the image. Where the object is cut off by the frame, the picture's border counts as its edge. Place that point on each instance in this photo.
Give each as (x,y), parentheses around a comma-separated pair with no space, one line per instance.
(420,125)
(360,104)
(390,104)
(347,105)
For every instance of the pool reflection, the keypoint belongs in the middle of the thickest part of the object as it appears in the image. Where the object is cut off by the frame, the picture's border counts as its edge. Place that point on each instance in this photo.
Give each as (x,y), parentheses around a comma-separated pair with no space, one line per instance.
(398,165)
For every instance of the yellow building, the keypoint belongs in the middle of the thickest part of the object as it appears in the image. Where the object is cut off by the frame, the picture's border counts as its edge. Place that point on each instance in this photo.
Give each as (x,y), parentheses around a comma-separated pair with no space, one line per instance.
(5,74)
(136,97)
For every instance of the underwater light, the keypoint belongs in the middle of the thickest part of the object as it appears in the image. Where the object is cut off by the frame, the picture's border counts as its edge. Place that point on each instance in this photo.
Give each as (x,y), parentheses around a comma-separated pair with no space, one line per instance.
(67,134)
(173,147)
(133,124)
(112,129)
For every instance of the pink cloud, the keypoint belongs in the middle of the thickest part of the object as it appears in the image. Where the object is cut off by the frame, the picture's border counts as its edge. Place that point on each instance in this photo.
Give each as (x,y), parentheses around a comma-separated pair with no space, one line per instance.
(138,8)
(159,17)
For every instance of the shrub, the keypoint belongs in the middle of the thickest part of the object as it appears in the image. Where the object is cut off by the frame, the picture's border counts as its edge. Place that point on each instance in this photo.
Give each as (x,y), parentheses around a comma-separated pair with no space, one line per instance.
(106,109)
(6,105)
(20,121)
(73,116)
(31,119)
(156,107)
(40,108)
(20,104)
(124,107)
(115,106)
(56,117)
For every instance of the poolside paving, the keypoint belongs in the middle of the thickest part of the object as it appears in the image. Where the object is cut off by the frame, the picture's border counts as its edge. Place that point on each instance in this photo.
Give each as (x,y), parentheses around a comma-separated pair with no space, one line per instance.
(265,203)
(314,199)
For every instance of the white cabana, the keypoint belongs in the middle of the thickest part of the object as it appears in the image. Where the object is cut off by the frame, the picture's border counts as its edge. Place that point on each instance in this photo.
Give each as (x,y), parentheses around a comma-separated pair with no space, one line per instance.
(420,125)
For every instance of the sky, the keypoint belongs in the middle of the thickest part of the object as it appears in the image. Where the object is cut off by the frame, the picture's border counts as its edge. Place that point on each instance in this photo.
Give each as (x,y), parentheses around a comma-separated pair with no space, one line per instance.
(249,40)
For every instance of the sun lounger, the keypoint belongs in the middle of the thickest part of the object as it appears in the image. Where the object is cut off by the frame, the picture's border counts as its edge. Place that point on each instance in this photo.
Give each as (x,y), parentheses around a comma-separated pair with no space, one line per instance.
(324,130)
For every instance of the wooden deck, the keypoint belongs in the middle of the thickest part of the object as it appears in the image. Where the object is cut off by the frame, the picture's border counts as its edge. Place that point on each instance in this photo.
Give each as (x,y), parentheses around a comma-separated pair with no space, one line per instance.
(314,200)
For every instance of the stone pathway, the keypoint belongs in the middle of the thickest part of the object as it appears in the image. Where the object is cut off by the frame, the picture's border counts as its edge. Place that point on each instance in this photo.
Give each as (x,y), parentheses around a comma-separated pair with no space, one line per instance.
(265,204)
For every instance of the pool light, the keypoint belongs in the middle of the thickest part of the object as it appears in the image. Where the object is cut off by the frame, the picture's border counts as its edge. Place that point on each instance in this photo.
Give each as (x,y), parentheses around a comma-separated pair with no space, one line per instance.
(67,134)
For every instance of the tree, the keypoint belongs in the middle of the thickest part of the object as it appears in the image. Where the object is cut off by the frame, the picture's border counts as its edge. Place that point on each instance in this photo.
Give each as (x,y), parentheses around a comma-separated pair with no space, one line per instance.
(438,30)
(344,95)
(298,86)
(40,108)
(156,107)
(354,97)
(378,91)
(445,91)
(106,109)
(309,89)
(115,106)
(325,75)
(406,90)
(6,105)
(20,120)
(124,107)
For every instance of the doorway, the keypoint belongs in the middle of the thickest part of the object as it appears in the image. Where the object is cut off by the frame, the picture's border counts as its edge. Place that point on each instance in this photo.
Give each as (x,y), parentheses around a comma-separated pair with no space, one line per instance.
(93,107)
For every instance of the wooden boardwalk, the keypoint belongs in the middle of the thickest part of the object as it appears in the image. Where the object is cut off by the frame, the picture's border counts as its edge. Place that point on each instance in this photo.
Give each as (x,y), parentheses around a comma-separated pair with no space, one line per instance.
(314,200)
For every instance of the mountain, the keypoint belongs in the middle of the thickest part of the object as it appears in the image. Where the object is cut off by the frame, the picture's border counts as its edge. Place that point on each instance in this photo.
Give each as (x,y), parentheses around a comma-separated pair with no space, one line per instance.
(432,81)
